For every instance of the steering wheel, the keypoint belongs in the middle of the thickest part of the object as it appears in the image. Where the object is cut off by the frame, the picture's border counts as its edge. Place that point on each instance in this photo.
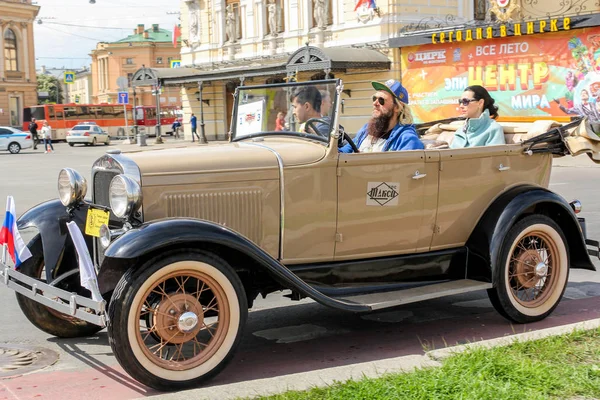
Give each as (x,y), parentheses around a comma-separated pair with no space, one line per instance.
(311,124)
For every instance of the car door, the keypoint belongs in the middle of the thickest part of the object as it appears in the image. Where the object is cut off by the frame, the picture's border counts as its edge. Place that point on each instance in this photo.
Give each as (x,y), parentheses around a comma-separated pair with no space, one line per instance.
(5,135)
(386,203)
(100,136)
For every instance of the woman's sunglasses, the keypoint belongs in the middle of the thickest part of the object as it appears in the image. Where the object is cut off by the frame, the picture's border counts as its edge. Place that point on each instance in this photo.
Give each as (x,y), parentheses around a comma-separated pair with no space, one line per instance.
(465,102)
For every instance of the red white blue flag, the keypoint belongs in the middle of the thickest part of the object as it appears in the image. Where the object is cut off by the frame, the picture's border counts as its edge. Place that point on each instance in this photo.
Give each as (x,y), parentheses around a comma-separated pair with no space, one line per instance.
(368,3)
(10,236)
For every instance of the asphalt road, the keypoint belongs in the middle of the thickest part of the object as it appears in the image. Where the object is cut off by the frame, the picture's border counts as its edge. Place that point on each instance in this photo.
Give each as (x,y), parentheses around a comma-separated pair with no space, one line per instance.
(281,337)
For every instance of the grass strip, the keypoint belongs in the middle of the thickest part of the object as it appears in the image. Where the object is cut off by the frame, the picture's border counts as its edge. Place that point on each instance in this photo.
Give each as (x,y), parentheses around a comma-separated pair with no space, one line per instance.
(558,367)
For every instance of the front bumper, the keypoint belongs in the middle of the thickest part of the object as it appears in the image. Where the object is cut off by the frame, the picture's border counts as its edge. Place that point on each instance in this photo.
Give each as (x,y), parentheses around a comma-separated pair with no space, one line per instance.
(52,297)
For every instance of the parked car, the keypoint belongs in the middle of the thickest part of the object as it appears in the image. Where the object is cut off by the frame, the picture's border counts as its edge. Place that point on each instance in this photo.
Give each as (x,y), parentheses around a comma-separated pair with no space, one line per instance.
(185,239)
(14,140)
(88,134)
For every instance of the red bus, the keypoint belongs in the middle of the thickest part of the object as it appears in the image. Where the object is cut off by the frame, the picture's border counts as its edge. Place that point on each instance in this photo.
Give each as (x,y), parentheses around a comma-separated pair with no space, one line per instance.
(63,117)
(145,117)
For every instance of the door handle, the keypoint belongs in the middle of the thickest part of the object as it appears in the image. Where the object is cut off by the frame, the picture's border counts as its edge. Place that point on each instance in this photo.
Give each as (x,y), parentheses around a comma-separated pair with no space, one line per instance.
(503,168)
(418,175)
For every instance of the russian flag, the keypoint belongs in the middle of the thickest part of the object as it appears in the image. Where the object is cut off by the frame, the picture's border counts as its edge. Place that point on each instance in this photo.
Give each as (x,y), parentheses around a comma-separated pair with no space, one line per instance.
(369,3)
(9,235)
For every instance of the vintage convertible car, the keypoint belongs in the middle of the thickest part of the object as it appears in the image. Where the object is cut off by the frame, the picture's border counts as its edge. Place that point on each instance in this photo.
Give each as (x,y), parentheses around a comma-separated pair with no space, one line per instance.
(183,240)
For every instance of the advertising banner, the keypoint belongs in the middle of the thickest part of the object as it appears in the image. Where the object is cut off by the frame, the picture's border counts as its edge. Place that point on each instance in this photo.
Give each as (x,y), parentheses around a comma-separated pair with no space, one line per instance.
(552,75)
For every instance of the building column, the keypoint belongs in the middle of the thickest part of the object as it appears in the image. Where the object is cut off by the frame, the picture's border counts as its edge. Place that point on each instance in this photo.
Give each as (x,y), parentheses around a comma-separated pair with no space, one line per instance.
(1,51)
(100,72)
(25,50)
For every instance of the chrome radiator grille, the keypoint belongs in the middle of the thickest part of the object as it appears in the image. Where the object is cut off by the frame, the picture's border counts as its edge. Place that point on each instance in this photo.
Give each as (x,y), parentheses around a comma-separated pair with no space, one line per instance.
(240,210)
(101,184)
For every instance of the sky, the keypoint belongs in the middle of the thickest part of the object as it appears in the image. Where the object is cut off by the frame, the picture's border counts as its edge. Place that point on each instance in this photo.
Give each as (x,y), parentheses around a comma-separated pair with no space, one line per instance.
(70,29)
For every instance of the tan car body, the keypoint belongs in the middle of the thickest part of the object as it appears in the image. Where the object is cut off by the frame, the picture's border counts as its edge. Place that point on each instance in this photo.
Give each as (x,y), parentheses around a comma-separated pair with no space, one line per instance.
(325,211)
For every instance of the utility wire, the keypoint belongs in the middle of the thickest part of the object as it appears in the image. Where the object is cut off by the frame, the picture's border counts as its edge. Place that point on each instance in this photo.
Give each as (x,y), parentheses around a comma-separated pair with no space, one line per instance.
(74,34)
(86,26)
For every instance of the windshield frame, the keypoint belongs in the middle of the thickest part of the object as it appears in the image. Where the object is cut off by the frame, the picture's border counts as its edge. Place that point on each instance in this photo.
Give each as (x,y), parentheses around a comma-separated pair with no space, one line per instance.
(334,107)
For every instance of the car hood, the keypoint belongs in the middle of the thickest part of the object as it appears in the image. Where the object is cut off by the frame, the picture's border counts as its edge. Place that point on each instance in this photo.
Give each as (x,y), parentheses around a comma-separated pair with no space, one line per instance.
(230,157)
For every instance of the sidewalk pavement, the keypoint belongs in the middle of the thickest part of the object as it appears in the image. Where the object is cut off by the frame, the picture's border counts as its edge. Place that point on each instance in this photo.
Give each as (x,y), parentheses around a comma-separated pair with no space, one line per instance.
(329,376)
(581,161)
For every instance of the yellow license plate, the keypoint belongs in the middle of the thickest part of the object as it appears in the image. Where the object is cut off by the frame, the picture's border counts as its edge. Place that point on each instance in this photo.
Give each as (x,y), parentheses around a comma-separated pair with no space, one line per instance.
(95,219)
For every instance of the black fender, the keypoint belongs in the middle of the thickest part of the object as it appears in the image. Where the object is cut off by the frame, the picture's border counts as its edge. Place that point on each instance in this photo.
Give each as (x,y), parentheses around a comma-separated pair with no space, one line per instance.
(51,218)
(165,234)
(487,239)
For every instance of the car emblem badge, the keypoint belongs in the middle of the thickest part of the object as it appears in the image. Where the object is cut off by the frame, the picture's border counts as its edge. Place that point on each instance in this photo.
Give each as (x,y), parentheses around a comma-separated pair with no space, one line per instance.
(382,193)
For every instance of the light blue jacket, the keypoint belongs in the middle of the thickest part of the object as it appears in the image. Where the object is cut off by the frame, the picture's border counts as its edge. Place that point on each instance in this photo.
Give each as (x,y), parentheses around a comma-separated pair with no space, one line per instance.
(482,131)
(402,137)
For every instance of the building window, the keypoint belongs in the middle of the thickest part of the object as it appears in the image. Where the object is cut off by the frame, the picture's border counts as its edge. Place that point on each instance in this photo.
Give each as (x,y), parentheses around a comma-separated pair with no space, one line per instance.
(10,51)
(129,78)
(169,59)
(129,61)
(480,8)
(159,60)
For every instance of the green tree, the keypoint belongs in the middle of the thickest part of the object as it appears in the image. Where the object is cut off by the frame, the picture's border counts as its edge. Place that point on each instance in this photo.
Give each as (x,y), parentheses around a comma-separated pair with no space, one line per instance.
(50,84)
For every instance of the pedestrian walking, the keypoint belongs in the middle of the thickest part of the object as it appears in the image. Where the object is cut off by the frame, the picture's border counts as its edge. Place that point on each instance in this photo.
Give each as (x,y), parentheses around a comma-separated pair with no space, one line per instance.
(175,128)
(194,127)
(33,127)
(47,135)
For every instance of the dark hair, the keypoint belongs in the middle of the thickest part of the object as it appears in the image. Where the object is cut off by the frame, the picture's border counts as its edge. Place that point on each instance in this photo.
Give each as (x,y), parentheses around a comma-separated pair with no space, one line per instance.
(308,94)
(488,102)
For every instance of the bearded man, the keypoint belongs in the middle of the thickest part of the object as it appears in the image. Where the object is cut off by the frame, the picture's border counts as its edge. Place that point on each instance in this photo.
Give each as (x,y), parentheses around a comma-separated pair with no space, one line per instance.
(391,124)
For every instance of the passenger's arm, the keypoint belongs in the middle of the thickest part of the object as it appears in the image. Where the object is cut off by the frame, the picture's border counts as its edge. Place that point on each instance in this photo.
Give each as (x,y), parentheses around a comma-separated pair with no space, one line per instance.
(496,136)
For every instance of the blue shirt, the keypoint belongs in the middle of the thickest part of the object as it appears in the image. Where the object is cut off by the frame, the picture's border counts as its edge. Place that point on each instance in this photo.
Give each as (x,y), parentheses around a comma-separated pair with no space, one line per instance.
(402,137)
(193,121)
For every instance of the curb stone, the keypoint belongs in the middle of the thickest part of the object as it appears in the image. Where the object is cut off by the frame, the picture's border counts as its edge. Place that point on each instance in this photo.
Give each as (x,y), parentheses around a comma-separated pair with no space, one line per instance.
(373,369)
(442,354)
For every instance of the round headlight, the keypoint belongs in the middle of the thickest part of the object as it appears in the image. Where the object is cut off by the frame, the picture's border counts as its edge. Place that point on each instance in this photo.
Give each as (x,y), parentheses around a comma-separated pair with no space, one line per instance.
(125,196)
(72,187)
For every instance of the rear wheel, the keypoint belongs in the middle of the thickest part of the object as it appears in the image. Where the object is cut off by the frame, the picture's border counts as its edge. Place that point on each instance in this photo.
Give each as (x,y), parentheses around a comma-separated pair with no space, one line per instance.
(14,148)
(176,321)
(71,144)
(532,275)
(44,318)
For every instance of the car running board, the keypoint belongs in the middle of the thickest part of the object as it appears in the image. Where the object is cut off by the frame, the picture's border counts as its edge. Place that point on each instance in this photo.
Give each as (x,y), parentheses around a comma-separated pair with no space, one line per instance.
(377,301)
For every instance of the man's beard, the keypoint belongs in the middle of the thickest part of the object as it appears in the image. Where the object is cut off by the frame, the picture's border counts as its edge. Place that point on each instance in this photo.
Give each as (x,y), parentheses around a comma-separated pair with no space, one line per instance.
(378,126)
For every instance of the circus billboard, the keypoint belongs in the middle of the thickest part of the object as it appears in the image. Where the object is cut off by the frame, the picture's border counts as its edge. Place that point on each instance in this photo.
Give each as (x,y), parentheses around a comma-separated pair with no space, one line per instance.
(551,75)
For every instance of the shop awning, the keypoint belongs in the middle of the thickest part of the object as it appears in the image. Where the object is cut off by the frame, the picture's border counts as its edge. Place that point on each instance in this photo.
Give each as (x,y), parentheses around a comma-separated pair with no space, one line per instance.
(180,76)
(305,59)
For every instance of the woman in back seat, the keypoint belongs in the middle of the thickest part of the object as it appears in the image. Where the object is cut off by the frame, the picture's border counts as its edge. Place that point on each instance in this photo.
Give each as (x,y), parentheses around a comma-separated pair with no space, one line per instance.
(480,129)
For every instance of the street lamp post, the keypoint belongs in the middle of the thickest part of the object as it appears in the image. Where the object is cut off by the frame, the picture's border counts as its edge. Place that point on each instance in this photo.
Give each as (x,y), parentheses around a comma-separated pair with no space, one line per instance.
(158,137)
(135,125)
(202,132)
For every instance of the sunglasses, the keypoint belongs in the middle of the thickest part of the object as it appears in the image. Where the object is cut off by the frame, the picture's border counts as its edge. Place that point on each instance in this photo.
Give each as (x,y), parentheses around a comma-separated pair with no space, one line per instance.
(465,102)
(381,100)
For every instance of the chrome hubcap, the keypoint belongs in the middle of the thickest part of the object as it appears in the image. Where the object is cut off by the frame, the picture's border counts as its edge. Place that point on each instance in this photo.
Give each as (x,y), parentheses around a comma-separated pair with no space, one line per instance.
(187,322)
(541,270)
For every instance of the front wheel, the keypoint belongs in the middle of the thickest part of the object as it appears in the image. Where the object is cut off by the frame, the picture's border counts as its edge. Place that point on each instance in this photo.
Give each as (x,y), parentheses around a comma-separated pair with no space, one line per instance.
(533,270)
(44,318)
(176,321)
(14,148)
